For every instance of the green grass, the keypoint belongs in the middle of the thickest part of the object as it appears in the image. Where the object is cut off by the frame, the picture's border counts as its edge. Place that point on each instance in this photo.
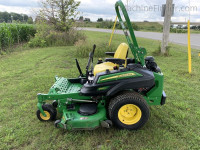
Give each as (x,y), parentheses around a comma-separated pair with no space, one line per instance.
(149,26)
(195,31)
(24,74)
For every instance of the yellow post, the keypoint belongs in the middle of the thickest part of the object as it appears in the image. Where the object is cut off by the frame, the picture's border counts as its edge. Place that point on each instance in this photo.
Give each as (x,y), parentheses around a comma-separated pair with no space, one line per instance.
(111,37)
(189,50)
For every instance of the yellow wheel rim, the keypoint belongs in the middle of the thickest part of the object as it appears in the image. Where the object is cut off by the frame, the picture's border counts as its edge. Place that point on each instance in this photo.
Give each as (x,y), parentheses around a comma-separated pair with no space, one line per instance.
(129,114)
(48,116)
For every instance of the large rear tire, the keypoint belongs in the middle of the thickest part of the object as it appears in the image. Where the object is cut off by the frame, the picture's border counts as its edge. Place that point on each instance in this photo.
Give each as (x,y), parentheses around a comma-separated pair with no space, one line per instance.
(129,111)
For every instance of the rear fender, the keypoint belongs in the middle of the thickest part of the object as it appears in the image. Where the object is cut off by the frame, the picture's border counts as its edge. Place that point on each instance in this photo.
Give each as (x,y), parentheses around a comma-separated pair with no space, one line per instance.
(154,96)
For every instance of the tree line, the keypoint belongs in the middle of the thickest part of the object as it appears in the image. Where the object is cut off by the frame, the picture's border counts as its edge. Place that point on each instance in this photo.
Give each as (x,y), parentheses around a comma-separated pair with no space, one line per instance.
(10,17)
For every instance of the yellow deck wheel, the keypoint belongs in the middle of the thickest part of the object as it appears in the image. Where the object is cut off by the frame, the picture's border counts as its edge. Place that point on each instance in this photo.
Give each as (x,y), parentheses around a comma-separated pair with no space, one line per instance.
(48,116)
(50,112)
(129,114)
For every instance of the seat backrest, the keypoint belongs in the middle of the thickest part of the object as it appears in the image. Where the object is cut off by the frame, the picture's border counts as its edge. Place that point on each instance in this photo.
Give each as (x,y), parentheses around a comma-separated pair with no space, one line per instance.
(121,51)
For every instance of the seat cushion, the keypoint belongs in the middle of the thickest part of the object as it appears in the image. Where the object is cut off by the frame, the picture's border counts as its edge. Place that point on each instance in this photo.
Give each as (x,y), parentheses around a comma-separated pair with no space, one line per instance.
(103,67)
(121,51)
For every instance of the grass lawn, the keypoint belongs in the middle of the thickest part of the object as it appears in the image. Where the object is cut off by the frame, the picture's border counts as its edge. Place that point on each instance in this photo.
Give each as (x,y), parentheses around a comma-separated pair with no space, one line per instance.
(23,74)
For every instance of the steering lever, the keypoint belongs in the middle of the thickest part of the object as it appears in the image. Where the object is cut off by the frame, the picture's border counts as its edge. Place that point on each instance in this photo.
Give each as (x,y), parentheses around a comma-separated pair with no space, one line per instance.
(79,68)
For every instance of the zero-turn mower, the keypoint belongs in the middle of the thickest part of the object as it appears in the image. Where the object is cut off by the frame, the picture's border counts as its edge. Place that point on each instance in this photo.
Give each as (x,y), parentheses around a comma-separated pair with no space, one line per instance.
(117,91)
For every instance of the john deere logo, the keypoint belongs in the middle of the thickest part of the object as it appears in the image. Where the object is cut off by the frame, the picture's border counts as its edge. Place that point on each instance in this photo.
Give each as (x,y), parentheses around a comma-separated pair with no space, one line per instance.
(119,76)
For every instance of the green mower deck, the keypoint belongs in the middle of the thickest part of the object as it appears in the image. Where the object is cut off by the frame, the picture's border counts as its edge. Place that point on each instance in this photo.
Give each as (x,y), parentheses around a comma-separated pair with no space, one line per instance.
(66,93)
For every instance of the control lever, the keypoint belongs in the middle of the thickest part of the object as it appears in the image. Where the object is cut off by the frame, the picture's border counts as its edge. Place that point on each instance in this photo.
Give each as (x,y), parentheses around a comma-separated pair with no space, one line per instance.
(79,68)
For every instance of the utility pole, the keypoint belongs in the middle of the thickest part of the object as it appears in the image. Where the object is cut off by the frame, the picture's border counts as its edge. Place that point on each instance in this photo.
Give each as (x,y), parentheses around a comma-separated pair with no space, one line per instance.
(166,26)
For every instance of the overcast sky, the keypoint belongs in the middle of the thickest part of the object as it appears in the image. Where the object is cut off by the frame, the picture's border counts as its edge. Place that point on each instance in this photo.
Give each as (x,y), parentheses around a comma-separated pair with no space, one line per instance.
(139,10)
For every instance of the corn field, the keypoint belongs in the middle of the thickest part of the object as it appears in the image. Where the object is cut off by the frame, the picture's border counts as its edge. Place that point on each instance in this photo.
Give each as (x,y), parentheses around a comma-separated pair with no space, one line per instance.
(12,34)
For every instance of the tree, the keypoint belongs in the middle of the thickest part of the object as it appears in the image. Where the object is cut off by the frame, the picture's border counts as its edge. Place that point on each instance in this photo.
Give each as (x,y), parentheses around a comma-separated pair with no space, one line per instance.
(72,19)
(5,17)
(87,19)
(25,17)
(81,18)
(30,20)
(194,27)
(1,17)
(59,12)
(17,17)
(100,20)
(9,17)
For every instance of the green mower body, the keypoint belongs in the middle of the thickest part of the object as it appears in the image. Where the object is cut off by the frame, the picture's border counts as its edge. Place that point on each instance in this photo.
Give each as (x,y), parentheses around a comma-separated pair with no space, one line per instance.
(120,96)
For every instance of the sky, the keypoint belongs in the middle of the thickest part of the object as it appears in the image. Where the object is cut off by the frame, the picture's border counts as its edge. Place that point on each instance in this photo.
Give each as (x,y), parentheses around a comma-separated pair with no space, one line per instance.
(139,10)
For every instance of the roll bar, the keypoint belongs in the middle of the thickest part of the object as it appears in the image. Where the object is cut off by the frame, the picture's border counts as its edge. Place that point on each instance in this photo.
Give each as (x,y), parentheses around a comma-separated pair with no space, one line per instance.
(137,52)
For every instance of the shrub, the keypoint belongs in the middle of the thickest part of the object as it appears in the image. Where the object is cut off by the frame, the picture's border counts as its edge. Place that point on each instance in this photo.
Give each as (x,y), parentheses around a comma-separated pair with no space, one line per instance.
(108,24)
(64,38)
(135,27)
(84,48)
(178,30)
(47,36)
(97,26)
(37,42)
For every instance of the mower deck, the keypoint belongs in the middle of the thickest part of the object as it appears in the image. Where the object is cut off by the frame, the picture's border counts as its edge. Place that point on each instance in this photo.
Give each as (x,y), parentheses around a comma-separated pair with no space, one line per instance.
(73,120)
(68,93)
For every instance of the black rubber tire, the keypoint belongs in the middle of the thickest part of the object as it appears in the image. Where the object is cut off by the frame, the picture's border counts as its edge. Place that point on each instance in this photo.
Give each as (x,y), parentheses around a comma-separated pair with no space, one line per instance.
(128,98)
(55,104)
(52,111)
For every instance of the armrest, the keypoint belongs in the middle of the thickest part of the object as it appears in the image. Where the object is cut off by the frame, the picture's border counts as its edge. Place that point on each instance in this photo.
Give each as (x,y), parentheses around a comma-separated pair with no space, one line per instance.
(110,53)
(115,60)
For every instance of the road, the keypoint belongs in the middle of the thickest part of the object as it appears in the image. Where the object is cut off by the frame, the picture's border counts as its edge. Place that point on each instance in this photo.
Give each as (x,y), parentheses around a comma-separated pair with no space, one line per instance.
(176,38)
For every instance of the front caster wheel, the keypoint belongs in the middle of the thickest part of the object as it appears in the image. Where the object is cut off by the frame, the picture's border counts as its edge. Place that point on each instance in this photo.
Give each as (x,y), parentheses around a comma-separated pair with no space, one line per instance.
(50,112)
(129,111)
